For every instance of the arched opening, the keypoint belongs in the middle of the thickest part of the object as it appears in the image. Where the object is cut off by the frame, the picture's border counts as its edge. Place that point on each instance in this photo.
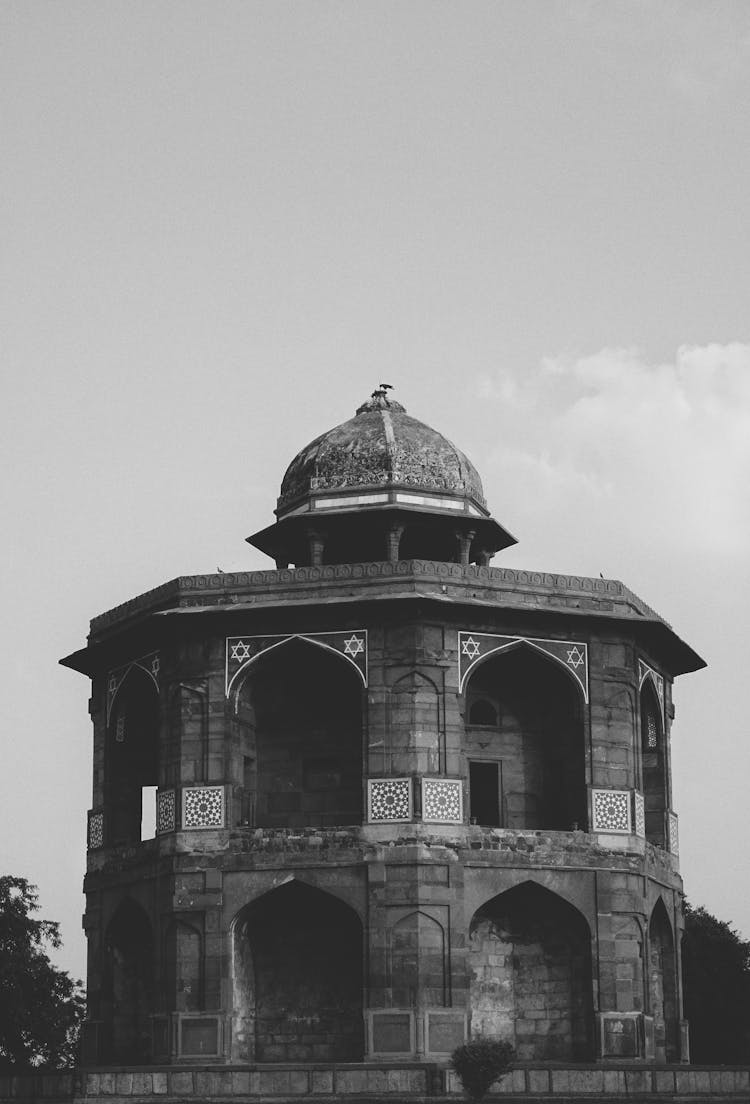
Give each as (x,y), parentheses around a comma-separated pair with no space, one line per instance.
(298,978)
(654,766)
(183,974)
(417,962)
(663,985)
(127,997)
(524,744)
(300,718)
(132,755)
(530,975)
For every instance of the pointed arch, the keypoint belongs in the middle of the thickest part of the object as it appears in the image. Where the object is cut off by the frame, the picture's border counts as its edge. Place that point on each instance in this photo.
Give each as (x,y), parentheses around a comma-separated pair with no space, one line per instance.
(527,770)
(653,766)
(251,649)
(529,945)
(297,977)
(131,753)
(417,967)
(476,647)
(127,991)
(414,724)
(663,998)
(183,966)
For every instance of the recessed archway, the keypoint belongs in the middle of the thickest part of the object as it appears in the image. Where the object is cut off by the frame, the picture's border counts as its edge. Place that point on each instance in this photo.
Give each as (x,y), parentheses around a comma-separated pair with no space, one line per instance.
(524,743)
(300,719)
(654,765)
(530,974)
(131,755)
(127,996)
(663,984)
(297,980)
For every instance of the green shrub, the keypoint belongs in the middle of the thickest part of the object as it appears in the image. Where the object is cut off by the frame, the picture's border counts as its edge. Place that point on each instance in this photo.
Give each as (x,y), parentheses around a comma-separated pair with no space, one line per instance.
(480,1063)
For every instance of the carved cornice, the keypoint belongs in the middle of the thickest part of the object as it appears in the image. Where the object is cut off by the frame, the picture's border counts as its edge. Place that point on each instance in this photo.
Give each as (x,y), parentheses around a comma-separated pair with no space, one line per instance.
(553,590)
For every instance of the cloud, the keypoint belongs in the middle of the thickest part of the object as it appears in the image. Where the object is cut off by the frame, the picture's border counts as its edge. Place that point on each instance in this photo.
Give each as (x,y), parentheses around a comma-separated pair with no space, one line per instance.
(651,452)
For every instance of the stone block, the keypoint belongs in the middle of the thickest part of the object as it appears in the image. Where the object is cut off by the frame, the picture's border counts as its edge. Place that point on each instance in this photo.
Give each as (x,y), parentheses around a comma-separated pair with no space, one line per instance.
(124,1084)
(93,1084)
(159,1081)
(107,1084)
(240,1083)
(539,1080)
(180,1083)
(350,1081)
(142,1084)
(274,1082)
(299,1083)
(664,1081)
(321,1081)
(637,1081)
(614,1082)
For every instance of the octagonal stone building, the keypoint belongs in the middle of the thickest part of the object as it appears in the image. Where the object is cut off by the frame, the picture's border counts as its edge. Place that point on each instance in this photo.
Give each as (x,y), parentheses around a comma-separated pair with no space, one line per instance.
(401,797)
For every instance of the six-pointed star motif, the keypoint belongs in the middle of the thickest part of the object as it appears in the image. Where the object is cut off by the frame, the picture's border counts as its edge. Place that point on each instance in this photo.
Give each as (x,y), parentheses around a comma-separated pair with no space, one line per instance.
(470,648)
(575,656)
(354,645)
(240,651)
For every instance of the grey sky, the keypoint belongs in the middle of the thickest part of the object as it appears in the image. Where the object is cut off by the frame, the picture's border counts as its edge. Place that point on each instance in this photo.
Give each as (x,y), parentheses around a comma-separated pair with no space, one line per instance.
(224,223)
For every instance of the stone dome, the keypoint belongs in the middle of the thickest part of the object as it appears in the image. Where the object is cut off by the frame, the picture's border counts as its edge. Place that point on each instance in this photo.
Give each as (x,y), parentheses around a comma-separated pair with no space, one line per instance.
(381,446)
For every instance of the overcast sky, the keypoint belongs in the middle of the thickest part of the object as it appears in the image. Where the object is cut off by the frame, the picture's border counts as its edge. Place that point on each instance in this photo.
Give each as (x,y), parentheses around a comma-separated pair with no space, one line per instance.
(223,224)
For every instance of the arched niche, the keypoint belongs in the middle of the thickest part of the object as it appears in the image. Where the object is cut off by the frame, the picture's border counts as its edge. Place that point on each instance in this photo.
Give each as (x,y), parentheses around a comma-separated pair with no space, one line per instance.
(663,984)
(417,962)
(654,760)
(529,961)
(131,759)
(183,967)
(414,724)
(127,992)
(524,742)
(297,978)
(299,714)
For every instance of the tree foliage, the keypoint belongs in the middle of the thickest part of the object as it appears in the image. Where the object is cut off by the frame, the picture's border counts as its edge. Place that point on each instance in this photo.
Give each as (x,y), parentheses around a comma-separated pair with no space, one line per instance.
(41,1007)
(716,975)
(480,1063)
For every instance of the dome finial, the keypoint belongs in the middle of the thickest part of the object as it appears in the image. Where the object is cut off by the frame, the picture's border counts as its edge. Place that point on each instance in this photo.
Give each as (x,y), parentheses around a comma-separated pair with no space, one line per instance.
(379,401)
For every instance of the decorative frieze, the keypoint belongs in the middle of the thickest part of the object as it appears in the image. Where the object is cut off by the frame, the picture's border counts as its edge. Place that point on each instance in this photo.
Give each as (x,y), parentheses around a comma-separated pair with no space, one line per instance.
(442,800)
(389,799)
(610,811)
(203,807)
(95,830)
(166,811)
(473,647)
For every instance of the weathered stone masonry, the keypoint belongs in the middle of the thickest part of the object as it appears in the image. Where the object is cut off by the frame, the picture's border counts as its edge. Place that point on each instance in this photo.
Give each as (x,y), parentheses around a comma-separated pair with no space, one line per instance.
(398,801)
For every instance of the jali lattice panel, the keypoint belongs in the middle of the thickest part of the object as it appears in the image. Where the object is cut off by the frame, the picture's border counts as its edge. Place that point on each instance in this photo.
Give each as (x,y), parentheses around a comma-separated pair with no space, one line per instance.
(639,813)
(166,811)
(610,810)
(389,799)
(96,830)
(203,807)
(442,800)
(674,834)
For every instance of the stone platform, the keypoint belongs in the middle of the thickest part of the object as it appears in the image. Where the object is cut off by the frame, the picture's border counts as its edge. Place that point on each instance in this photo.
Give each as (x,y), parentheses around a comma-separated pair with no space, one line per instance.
(419,1083)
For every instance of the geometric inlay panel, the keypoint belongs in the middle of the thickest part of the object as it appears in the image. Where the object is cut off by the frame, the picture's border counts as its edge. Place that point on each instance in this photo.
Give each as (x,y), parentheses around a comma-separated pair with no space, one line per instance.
(96,830)
(166,811)
(474,647)
(203,807)
(639,811)
(389,799)
(674,834)
(350,645)
(442,800)
(611,809)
